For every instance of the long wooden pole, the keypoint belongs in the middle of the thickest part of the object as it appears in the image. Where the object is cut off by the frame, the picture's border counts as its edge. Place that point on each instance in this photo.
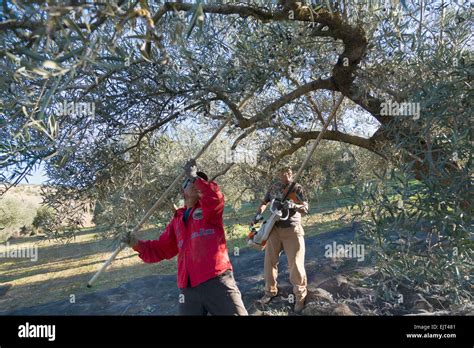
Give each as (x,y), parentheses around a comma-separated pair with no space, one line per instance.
(314,146)
(318,139)
(156,205)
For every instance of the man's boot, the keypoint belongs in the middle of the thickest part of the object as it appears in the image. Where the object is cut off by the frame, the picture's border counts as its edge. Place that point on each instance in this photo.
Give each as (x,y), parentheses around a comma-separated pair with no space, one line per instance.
(266,299)
(299,305)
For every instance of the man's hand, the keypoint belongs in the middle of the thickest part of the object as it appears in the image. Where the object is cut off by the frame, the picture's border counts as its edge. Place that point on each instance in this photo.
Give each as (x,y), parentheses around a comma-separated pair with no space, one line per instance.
(302,208)
(289,204)
(190,169)
(256,219)
(130,239)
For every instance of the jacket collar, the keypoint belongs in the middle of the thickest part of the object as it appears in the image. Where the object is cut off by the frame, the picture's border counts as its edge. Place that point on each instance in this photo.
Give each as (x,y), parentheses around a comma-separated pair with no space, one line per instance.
(180,211)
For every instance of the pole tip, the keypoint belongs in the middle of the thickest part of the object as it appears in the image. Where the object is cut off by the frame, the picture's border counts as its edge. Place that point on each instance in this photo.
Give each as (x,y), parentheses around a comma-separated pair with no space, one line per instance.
(89,285)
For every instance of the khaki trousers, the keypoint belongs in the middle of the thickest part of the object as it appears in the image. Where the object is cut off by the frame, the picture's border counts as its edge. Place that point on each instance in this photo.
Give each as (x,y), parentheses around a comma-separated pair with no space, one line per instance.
(291,240)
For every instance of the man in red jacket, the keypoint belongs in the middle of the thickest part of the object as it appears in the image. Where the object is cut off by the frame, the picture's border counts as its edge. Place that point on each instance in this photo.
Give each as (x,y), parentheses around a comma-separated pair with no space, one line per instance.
(196,235)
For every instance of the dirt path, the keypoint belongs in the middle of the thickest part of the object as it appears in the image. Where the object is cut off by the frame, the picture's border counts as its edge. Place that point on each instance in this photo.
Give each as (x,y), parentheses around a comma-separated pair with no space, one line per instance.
(158,295)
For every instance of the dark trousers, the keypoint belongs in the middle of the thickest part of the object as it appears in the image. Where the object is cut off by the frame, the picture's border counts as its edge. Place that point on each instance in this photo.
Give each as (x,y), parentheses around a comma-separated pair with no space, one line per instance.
(217,296)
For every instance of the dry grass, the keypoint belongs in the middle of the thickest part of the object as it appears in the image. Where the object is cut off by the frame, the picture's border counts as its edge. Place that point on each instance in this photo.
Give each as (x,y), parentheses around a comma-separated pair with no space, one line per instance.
(64,269)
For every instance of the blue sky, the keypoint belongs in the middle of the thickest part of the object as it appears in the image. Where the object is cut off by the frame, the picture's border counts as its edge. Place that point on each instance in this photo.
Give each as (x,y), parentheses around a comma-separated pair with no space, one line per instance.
(38,176)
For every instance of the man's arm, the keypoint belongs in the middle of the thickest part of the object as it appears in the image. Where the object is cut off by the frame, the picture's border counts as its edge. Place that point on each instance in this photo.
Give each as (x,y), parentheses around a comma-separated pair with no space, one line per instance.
(302,205)
(301,208)
(261,208)
(151,251)
(211,200)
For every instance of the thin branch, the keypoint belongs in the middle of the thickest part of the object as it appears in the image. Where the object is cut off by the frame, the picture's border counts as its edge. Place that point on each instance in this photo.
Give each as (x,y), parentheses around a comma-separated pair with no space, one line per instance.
(223,171)
(242,136)
(298,92)
(304,137)
(241,120)
(310,100)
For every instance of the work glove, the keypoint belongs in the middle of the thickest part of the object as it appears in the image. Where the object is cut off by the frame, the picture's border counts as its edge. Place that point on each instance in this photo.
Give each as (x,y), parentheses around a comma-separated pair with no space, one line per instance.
(289,204)
(190,169)
(130,239)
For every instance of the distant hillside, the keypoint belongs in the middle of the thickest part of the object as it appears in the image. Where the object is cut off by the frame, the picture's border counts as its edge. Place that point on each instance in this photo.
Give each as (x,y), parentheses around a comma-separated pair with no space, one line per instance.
(27,193)
(18,208)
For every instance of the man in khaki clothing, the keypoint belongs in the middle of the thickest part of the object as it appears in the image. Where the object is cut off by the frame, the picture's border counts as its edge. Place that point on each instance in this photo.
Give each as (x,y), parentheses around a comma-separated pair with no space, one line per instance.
(287,235)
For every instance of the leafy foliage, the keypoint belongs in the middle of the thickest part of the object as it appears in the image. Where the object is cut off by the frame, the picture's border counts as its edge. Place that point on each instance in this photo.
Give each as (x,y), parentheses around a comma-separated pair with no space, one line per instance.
(44,217)
(421,227)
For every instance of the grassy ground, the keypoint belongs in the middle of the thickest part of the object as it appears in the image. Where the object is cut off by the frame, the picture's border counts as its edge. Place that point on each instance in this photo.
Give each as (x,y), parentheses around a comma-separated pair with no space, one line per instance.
(64,269)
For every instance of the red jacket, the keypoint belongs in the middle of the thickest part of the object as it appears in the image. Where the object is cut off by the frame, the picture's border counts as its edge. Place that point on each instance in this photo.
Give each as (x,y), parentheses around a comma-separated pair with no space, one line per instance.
(200,243)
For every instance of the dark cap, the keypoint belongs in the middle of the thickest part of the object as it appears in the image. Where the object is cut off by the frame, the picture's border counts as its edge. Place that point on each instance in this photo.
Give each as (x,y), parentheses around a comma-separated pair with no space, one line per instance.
(203,175)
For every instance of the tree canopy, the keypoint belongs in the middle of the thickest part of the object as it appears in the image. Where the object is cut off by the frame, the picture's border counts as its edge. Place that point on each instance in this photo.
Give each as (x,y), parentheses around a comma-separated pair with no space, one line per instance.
(146,67)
